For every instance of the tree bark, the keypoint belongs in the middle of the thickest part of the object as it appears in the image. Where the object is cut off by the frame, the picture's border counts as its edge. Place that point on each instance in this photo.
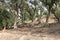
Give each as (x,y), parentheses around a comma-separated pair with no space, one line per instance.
(47,17)
(4,29)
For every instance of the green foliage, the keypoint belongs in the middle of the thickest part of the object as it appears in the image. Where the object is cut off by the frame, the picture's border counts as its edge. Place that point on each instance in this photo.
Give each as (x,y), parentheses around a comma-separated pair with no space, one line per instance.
(58,12)
(6,18)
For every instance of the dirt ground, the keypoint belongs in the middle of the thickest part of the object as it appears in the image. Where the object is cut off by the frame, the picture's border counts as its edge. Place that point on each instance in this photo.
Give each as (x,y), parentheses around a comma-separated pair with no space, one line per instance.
(28,34)
(52,33)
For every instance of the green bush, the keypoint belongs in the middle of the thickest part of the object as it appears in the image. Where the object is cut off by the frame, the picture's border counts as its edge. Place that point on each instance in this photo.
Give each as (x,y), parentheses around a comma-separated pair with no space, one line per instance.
(7,18)
(58,12)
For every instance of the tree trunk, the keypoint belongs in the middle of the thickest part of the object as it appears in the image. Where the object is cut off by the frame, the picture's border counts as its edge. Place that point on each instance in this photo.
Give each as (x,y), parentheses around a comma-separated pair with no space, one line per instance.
(47,18)
(17,8)
(4,29)
(56,16)
(39,19)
